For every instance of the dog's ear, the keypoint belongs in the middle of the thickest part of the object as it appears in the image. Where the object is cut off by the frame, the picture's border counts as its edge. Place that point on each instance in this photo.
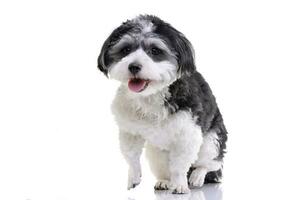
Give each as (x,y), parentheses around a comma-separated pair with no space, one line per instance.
(101,58)
(182,46)
(104,60)
(185,54)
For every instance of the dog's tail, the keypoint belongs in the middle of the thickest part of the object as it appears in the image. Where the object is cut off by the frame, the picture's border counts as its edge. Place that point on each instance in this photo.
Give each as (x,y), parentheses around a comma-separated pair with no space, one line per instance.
(211,177)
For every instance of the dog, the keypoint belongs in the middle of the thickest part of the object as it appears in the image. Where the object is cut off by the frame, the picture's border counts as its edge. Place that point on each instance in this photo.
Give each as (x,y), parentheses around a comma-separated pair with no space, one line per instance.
(164,105)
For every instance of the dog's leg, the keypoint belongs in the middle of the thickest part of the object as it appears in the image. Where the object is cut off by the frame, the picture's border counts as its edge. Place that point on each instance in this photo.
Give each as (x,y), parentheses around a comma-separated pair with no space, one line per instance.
(182,154)
(131,147)
(207,161)
(159,165)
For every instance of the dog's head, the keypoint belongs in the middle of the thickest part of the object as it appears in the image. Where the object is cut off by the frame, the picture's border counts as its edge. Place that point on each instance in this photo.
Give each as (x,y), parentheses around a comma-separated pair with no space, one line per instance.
(147,54)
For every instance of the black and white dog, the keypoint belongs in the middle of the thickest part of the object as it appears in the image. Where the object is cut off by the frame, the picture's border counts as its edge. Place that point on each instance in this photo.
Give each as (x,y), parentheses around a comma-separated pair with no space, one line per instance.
(164,104)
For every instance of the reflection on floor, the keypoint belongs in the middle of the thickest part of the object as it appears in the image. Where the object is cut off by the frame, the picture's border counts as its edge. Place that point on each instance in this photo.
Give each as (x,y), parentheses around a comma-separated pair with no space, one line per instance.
(207,192)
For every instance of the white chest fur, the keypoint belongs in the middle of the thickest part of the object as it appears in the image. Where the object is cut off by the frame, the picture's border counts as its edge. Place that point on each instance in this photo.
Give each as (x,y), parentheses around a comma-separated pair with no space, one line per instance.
(149,118)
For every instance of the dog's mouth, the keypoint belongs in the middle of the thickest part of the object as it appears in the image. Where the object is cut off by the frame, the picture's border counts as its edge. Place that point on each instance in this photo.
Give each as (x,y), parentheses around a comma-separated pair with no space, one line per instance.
(138,84)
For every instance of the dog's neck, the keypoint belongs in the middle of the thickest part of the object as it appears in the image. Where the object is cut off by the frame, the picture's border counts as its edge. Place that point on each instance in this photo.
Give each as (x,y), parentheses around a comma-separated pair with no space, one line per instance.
(157,98)
(152,105)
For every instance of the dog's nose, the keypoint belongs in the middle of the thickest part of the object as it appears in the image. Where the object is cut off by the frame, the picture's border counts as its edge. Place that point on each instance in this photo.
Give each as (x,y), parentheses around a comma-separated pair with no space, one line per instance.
(134,68)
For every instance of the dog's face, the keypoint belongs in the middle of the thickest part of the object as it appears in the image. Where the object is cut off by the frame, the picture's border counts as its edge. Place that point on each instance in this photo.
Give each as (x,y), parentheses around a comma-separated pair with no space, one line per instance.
(146,54)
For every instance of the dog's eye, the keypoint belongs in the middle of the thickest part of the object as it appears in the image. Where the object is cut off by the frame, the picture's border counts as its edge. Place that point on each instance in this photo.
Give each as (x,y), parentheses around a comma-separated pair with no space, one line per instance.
(156,51)
(125,50)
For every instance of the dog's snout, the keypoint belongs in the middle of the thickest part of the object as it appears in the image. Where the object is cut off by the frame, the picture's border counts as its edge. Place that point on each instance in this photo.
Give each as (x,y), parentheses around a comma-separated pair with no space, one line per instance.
(134,68)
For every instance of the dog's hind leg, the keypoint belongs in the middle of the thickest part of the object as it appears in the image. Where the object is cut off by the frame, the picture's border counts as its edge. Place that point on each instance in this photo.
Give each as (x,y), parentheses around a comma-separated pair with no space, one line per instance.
(206,169)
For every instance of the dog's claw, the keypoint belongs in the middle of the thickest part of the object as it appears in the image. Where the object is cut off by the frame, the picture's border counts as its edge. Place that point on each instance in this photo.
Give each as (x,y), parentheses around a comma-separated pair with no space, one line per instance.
(181,190)
(161,185)
(133,185)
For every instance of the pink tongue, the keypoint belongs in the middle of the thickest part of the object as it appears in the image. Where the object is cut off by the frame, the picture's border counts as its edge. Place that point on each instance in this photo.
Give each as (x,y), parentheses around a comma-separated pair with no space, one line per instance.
(136,85)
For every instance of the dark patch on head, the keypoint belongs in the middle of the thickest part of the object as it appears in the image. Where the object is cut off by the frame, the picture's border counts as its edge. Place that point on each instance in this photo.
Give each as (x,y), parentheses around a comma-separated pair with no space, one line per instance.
(157,53)
(123,51)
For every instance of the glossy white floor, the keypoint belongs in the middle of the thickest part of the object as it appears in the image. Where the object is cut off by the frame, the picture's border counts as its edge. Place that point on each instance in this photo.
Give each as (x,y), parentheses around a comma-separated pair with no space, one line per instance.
(207,192)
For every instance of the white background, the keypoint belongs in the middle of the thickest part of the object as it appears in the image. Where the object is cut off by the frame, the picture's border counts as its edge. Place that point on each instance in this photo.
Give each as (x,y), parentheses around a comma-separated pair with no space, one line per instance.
(58,140)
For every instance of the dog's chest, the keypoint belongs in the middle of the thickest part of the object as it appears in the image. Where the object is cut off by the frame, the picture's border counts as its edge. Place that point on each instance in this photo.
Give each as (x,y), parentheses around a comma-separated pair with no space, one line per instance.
(149,119)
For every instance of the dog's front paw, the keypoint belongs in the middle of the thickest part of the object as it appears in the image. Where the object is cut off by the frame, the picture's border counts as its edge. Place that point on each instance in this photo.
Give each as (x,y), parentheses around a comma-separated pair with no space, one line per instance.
(179,184)
(162,185)
(133,180)
(181,189)
(132,185)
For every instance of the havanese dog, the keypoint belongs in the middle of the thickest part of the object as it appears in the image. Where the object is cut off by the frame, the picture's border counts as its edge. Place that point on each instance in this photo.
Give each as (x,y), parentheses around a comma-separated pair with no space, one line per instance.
(164,105)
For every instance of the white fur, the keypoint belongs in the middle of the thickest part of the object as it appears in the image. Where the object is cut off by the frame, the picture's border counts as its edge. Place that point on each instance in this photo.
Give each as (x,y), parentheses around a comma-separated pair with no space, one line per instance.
(147,26)
(208,151)
(173,141)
